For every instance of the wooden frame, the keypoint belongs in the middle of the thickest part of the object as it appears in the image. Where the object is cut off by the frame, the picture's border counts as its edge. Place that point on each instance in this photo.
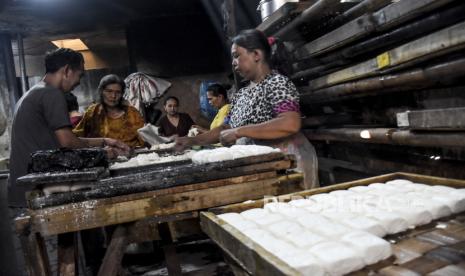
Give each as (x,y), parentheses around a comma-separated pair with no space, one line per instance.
(134,211)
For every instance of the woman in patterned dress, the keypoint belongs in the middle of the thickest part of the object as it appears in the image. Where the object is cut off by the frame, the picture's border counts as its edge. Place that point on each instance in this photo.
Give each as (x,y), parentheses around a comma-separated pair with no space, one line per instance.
(112,117)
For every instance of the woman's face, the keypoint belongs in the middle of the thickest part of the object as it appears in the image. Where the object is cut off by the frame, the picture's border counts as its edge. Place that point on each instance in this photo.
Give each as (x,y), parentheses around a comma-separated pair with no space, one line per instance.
(171,107)
(215,101)
(244,62)
(112,94)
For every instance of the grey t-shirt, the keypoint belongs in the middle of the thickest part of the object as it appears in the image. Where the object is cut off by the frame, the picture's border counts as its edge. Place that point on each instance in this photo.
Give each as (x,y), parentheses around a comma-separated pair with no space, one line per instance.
(40,112)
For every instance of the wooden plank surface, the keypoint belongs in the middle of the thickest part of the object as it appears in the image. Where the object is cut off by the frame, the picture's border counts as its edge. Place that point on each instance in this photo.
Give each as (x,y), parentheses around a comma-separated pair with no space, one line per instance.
(91,174)
(436,119)
(91,214)
(440,42)
(242,249)
(392,15)
(153,181)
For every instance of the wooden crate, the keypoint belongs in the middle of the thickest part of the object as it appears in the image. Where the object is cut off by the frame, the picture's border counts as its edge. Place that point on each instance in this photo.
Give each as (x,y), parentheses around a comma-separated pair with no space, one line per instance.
(420,251)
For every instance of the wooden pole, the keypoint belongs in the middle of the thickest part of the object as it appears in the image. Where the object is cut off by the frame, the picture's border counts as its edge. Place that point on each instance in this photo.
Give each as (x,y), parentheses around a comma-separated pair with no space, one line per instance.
(389,136)
(410,80)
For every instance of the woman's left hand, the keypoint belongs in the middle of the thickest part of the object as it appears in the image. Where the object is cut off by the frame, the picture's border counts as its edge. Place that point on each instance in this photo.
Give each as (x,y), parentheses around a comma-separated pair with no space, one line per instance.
(228,136)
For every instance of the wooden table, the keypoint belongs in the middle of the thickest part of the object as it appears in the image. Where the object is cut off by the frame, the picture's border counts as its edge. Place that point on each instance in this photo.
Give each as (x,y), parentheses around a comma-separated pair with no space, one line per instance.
(142,216)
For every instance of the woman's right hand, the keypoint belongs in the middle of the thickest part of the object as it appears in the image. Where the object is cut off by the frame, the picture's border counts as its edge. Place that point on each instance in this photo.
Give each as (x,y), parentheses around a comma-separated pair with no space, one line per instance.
(182,143)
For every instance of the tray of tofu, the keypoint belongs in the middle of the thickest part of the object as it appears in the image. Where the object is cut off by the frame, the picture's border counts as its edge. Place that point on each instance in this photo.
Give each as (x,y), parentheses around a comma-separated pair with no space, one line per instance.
(355,227)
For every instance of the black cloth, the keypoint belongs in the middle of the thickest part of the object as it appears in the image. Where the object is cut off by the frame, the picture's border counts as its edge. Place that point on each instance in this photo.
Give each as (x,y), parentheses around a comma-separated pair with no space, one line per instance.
(40,112)
(167,129)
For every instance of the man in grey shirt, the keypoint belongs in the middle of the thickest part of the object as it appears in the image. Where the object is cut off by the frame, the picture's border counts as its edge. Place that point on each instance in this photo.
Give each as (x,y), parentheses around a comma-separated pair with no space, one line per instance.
(41,120)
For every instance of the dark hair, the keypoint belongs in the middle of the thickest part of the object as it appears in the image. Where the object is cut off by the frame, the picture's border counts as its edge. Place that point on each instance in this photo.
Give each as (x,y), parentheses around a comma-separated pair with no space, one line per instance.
(71,102)
(253,39)
(58,58)
(171,98)
(219,89)
(111,79)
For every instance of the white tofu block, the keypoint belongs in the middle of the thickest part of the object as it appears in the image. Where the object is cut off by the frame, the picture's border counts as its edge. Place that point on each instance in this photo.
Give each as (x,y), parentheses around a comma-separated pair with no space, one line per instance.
(436,208)
(273,207)
(301,203)
(365,224)
(360,189)
(256,234)
(342,193)
(305,263)
(337,258)
(400,182)
(279,248)
(286,210)
(311,220)
(319,207)
(237,221)
(255,213)
(323,198)
(419,187)
(381,186)
(392,222)
(284,228)
(406,207)
(305,239)
(401,185)
(338,216)
(441,189)
(455,202)
(269,219)
(372,248)
(330,229)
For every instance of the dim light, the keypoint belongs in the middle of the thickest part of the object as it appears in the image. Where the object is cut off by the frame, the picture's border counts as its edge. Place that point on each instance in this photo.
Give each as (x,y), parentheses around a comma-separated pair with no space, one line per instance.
(75,44)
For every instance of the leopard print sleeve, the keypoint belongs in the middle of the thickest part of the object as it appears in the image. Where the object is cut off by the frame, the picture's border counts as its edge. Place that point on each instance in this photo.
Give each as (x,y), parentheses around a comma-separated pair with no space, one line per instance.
(282,95)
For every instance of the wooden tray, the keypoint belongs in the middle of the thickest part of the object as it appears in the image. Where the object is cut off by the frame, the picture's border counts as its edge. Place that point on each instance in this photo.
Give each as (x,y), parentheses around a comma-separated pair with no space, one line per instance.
(423,256)
(167,177)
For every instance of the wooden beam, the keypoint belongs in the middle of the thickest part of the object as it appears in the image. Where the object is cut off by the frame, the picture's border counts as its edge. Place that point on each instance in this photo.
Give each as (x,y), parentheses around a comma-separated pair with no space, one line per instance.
(448,119)
(388,17)
(97,213)
(435,44)
(405,81)
(111,263)
(67,254)
(315,67)
(33,247)
(389,136)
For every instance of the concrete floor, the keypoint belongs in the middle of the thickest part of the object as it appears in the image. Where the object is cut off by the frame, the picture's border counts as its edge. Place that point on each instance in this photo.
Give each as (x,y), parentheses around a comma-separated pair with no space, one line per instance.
(197,258)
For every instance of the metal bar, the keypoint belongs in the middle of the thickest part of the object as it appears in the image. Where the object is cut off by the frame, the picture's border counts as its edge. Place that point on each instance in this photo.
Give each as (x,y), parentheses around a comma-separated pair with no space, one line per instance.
(22,64)
(309,15)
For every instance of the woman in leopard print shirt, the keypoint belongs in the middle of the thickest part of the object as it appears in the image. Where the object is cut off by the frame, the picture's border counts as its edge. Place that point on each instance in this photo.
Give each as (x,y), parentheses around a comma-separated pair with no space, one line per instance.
(266,111)
(268,108)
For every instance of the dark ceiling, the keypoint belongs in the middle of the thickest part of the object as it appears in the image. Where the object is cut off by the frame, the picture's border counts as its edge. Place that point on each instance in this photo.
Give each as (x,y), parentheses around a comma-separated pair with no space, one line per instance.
(101,24)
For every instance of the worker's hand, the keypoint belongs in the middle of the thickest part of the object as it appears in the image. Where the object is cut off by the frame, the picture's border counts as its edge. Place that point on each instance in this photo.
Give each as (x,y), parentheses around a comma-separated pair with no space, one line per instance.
(199,129)
(117,146)
(182,143)
(229,136)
